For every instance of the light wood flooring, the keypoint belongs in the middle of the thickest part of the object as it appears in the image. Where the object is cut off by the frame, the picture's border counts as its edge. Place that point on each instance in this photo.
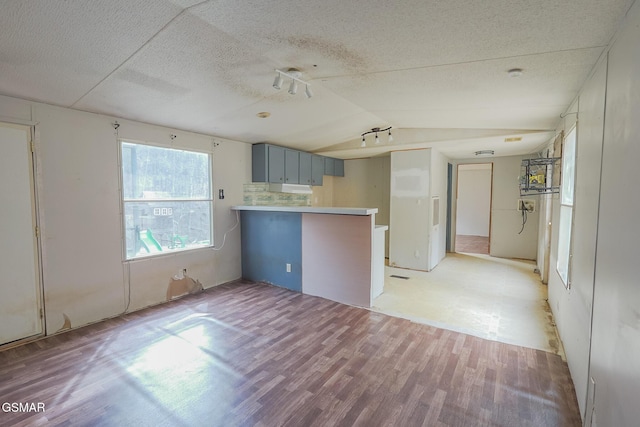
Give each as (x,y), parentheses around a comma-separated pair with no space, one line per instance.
(247,354)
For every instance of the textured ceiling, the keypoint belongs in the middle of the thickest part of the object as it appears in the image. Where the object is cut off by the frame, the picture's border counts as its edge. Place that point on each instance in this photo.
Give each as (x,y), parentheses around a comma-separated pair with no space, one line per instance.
(434,70)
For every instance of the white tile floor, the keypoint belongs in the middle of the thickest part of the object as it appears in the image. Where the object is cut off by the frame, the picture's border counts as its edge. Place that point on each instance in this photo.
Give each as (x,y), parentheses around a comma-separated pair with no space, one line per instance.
(492,298)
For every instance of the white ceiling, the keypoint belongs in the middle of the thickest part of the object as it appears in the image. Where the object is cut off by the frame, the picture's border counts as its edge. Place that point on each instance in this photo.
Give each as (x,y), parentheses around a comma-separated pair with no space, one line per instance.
(434,70)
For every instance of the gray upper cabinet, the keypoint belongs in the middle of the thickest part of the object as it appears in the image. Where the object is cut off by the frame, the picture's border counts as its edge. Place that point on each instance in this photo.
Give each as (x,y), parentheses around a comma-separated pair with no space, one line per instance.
(338,167)
(291,166)
(259,163)
(329,165)
(317,169)
(305,168)
(271,163)
(276,163)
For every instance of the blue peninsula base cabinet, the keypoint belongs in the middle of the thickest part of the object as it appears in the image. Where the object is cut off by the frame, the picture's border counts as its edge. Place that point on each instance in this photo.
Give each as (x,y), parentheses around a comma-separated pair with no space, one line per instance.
(334,253)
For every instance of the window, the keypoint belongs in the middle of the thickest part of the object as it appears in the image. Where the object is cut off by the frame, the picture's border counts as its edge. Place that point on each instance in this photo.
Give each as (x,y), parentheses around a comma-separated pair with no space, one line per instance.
(167,199)
(566,205)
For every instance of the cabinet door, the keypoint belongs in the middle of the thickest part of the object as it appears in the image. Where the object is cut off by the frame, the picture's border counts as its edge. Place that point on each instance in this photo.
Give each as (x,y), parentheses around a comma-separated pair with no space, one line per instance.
(317,169)
(329,166)
(259,163)
(305,168)
(291,166)
(276,164)
(338,167)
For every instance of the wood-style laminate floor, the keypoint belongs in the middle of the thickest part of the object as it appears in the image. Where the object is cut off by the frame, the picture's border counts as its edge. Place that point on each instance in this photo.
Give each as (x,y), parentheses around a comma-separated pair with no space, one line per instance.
(247,354)
(472,244)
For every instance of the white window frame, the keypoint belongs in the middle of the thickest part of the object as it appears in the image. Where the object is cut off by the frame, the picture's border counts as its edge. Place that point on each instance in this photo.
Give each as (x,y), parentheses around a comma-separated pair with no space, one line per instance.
(210,200)
(567,203)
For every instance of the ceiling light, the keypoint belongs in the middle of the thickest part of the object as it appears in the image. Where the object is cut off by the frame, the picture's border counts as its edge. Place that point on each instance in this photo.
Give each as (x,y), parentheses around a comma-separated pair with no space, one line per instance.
(515,72)
(263,114)
(377,139)
(277,83)
(293,87)
(293,74)
(513,139)
(484,153)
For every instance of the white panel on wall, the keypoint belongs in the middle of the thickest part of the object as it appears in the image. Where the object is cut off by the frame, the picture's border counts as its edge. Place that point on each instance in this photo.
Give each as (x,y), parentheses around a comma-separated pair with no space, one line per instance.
(572,307)
(438,233)
(615,346)
(409,209)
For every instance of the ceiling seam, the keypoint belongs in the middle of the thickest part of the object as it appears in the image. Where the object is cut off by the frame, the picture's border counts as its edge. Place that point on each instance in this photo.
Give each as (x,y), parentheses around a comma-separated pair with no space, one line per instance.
(145,44)
(425,67)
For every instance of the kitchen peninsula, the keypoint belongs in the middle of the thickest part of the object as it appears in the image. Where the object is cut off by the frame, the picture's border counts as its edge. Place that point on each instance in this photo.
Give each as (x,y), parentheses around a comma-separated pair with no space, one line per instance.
(334,253)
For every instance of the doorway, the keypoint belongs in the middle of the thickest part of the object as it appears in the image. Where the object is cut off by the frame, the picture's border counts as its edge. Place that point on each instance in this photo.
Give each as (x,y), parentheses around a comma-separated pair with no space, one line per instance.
(20,289)
(473,208)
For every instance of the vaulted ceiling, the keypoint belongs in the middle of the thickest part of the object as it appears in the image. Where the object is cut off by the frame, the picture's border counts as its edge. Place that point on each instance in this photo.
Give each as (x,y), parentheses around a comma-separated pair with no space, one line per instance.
(434,70)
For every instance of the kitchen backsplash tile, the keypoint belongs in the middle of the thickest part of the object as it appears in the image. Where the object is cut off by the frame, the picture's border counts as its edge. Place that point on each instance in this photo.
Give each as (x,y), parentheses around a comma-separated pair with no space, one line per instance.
(258,194)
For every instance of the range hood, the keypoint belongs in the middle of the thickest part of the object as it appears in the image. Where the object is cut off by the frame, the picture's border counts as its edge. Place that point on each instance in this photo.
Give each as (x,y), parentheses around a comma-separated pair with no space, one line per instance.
(290,188)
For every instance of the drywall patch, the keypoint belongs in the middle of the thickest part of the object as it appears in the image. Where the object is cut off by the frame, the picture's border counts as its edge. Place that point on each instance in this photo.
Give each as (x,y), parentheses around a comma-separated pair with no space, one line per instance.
(410,183)
(67,323)
(179,286)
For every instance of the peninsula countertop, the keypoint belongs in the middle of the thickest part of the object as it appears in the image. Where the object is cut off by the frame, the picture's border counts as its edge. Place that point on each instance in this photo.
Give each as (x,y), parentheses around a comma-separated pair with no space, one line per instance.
(307,209)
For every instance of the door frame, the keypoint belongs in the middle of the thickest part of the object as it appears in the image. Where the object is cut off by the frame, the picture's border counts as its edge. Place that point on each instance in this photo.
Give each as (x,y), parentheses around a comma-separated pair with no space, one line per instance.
(32,136)
(457,182)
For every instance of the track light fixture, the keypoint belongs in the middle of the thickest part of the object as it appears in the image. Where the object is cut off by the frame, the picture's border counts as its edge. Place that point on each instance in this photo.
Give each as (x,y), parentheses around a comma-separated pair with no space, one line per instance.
(293,74)
(277,83)
(377,139)
(293,87)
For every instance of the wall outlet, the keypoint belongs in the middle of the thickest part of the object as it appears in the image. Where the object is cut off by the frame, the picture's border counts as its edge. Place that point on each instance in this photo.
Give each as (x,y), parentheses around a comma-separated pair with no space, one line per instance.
(288,268)
(526,205)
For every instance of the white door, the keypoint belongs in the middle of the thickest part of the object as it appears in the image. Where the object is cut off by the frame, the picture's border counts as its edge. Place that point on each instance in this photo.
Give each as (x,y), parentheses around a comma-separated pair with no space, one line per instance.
(19,280)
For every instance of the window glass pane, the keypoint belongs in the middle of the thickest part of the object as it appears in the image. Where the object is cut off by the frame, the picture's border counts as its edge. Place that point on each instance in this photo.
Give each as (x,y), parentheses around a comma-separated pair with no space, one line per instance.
(159,226)
(564,242)
(150,172)
(568,167)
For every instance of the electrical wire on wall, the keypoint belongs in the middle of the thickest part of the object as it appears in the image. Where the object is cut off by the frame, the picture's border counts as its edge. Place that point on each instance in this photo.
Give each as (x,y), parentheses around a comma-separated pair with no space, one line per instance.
(523,210)
(224,238)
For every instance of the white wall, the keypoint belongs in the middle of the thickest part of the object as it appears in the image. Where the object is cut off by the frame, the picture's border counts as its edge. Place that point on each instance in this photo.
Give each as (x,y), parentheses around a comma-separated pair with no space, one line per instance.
(438,189)
(615,347)
(506,221)
(410,206)
(572,307)
(474,200)
(598,317)
(84,276)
